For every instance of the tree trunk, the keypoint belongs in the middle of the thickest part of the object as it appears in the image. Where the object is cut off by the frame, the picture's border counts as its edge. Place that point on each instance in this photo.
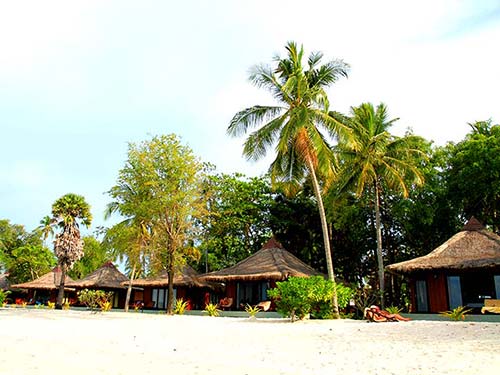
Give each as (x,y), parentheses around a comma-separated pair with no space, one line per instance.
(324,227)
(129,289)
(170,295)
(380,260)
(60,294)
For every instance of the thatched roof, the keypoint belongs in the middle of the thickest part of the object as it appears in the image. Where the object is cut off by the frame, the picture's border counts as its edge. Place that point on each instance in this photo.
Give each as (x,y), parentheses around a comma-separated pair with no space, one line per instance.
(186,277)
(105,277)
(272,262)
(473,248)
(49,281)
(4,281)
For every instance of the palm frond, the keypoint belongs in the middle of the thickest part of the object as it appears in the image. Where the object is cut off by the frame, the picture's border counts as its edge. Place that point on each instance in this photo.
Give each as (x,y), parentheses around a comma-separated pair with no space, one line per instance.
(251,117)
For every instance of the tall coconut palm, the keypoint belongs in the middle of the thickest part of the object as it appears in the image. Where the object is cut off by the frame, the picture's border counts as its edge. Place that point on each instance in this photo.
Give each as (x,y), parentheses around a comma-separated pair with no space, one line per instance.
(376,158)
(67,212)
(46,227)
(298,125)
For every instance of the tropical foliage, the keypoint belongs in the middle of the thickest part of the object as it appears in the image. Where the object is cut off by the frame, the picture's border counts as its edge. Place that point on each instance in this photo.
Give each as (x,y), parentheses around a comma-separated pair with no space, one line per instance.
(95,299)
(374,160)
(298,297)
(68,212)
(22,253)
(237,220)
(295,125)
(159,192)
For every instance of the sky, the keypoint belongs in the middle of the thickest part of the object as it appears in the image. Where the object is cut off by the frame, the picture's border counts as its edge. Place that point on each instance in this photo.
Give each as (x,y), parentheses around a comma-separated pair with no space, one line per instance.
(79,80)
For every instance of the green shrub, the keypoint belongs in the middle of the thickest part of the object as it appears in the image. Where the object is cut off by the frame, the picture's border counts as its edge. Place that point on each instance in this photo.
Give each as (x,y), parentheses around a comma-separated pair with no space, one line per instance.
(457,313)
(393,310)
(299,296)
(95,299)
(3,296)
(180,306)
(252,310)
(212,310)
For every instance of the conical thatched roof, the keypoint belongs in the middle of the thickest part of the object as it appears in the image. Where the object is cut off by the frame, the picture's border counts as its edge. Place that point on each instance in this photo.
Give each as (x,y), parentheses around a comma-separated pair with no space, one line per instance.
(49,281)
(473,248)
(272,262)
(187,277)
(105,277)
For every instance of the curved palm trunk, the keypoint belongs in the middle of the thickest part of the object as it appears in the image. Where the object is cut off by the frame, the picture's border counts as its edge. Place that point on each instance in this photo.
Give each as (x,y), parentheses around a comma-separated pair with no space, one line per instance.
(380,260)
(60,294)
(129,289)
(324,227)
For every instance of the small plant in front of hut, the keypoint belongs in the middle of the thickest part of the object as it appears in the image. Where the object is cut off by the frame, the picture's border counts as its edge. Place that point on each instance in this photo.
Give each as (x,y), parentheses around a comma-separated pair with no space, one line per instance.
(458,313)
(95,299)
(3,297)
(393,309)
(252,310)
(66,304)
(212,309)
(180,306)
(105,305)
(51,305)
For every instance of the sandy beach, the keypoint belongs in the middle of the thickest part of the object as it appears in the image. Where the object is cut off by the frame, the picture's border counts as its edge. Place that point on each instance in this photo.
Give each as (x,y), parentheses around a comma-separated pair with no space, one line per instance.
(78,342)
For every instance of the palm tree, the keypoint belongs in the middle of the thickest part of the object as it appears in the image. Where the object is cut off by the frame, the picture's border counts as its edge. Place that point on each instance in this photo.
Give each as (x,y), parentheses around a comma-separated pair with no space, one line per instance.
(68,246)
(374,158)
(298,125)
(46,227)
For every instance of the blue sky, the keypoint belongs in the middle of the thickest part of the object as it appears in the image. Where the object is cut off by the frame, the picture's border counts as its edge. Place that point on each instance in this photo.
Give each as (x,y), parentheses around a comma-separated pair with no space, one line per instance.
(79,80)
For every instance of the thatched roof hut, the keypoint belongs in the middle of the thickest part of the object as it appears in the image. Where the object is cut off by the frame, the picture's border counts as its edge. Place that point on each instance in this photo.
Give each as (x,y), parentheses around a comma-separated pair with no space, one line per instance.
(272,262)
(49,281)
(187,277)
(471,249)
(105,277)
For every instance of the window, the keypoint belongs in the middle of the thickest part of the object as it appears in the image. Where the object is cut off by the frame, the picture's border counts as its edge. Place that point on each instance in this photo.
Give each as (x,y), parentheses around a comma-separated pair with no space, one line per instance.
(454,292)
(421,291)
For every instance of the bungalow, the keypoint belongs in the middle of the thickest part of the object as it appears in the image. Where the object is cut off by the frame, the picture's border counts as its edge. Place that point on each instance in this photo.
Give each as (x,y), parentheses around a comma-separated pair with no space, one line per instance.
(247,282)
(46,287)
(187,285)
(463,271)
(107,278)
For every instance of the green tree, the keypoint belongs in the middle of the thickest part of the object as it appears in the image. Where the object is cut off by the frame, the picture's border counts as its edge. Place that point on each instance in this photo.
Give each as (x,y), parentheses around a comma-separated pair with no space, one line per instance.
(168,181)
(129,240)
(473,174)
(68,212)
(46,227)
(375,159)
(295,125)
(22,253)
(94,256)
(237,220)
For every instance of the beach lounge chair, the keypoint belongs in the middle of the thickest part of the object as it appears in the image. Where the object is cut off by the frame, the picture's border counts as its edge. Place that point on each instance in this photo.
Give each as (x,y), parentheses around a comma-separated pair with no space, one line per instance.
(264,305)
(225,303)
(491,306)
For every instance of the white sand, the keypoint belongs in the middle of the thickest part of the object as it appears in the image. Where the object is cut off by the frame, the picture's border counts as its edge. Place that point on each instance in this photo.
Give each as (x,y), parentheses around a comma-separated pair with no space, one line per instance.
(77,342)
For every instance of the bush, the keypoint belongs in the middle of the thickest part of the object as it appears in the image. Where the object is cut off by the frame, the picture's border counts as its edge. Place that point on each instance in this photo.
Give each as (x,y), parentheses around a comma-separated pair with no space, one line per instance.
(457,313)
(3,296)
(299,296)
(95,299)
(180,306)
(212,309)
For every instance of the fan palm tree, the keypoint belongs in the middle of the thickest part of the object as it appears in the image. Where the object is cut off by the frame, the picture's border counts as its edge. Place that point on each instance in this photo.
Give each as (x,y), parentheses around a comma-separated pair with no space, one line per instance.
(298,125)
(67,211)
(377,159)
